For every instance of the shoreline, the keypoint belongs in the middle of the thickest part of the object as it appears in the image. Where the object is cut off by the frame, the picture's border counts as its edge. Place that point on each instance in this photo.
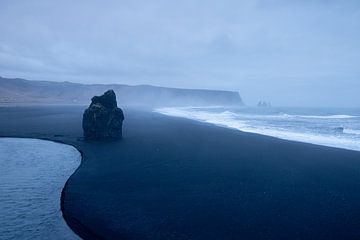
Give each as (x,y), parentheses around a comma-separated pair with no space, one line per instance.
(84,232)
(58,138)
(74,224)
(89,195)
(257,134)
(240,124)
(60,184)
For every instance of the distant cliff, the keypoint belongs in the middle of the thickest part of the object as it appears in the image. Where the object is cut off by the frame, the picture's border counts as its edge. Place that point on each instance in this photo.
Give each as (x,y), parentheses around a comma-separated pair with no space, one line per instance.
(22,92)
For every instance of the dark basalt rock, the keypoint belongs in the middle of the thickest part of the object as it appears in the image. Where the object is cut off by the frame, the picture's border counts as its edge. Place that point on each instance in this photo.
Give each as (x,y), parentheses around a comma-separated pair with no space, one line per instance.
(102,120)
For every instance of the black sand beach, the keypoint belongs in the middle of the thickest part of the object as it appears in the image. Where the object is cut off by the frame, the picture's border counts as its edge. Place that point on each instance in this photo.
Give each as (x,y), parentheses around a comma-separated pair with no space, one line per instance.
(171,178)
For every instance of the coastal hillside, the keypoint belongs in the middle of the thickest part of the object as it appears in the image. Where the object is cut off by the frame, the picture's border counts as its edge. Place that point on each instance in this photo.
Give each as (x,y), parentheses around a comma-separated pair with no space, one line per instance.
(24,92)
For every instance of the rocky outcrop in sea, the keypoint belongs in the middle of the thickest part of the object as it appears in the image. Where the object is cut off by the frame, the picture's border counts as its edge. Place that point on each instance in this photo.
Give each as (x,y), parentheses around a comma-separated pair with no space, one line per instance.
(103,120)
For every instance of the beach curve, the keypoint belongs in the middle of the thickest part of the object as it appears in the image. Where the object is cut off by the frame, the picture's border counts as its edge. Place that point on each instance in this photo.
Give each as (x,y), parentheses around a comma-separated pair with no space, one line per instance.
(175,178)
(34,173)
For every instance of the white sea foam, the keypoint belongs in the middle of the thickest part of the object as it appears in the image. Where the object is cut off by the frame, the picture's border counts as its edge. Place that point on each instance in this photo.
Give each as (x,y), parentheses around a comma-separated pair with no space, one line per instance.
(351,131)
(292,116)
(246,123)
(327,116)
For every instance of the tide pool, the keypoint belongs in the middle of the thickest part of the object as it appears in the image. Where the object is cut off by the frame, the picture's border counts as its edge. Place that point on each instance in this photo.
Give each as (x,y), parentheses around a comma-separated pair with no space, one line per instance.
(32,175)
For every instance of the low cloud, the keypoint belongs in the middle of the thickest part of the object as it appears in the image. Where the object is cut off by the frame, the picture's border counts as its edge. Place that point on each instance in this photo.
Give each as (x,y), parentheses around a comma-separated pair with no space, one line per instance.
(257,47)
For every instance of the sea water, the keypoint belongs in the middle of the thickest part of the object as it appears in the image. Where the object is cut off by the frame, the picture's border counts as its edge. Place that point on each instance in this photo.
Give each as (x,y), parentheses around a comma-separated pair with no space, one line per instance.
(334,127)
(32,175)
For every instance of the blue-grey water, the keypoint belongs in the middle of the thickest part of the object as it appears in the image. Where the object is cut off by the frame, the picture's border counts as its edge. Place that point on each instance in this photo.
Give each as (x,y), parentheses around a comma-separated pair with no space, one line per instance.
(334,127)
(32,175)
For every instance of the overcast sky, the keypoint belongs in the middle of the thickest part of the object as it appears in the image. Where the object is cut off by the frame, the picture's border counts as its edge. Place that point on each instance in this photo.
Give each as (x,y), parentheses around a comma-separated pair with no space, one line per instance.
(291,52)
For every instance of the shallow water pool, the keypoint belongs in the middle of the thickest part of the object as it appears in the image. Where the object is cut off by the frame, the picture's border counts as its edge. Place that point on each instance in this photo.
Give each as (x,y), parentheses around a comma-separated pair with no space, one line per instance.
(32,175)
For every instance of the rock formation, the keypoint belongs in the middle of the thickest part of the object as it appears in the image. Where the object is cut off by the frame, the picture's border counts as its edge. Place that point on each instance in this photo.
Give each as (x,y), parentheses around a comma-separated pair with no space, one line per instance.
(102,120)
(264,104)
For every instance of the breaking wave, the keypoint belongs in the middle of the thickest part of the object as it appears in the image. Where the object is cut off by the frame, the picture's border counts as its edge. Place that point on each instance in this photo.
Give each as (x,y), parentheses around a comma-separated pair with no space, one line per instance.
(315,129)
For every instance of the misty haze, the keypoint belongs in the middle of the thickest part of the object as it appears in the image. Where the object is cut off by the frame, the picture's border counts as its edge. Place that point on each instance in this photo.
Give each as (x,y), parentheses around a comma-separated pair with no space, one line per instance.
(180,120)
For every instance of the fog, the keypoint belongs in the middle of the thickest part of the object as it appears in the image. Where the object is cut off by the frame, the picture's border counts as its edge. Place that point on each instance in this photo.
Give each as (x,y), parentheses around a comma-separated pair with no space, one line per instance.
(291,53)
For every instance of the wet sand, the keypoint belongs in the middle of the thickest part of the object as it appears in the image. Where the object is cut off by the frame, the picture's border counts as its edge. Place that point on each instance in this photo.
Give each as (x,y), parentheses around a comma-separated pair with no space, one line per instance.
(172,178)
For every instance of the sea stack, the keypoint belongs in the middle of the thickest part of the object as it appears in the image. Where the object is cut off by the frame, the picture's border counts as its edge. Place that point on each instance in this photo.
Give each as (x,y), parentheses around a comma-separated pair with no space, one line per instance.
(102,120)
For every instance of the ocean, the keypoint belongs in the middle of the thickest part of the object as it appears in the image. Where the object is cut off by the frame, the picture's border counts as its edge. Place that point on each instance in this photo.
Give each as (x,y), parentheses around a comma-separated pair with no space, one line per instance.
(333,127)
(32,175)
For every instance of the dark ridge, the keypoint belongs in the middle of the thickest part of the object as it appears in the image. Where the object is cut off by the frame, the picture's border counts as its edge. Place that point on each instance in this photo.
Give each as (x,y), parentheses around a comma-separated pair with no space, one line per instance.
(24,92)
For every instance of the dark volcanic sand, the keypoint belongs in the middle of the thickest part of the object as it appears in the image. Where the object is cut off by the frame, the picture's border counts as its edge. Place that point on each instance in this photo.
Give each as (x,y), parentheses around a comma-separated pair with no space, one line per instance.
(173,178)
